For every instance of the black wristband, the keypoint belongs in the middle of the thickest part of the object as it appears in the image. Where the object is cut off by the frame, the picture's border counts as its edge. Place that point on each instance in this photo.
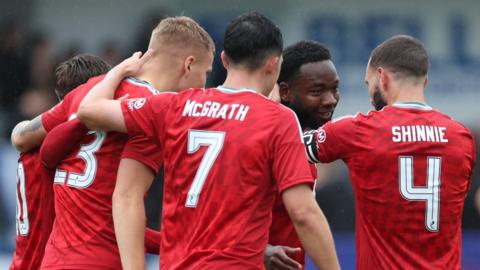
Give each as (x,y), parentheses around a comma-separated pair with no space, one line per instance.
(310,141)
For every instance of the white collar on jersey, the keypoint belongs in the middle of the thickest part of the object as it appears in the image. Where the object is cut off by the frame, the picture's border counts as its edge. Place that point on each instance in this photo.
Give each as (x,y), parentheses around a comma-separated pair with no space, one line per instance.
(412,105)
(229,90)
(144,84)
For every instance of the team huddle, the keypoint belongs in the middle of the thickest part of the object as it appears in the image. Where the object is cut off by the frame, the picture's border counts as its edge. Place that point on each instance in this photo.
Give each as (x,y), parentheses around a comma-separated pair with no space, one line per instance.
(238,159)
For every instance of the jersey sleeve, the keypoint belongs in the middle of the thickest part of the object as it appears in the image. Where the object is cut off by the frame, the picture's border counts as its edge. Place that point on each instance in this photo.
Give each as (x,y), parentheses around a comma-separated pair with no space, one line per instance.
(144,150)
(55,116)
(146,116)
(61,141)
(335,140)
(290,165)
(474,153)
(472,156)
(138,115)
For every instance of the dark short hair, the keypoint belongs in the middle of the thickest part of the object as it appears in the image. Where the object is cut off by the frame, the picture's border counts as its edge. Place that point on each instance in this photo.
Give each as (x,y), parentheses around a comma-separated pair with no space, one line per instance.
(299,54)
(401,54)
(76,71)
(250,39)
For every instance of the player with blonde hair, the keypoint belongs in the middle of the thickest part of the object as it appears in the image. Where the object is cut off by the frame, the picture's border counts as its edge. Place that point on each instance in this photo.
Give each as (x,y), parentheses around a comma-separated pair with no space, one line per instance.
(83,233)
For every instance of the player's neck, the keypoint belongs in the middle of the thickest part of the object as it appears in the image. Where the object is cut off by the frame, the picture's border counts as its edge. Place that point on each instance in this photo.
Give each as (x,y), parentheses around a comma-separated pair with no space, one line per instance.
(241,80)
(161,83)
(411,94)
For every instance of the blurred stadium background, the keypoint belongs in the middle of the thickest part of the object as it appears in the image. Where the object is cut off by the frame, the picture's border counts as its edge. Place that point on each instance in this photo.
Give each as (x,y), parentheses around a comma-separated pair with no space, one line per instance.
(38,34)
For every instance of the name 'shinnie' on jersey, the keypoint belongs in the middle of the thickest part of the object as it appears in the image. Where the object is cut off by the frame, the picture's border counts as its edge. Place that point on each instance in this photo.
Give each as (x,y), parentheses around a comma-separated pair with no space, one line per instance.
(215,110)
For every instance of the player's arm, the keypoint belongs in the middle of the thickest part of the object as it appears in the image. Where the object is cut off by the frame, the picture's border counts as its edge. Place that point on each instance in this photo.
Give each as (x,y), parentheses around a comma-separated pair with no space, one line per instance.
(28,134)
(295,181)
(61,141)
(98,110)
(133,181)
(334,140)
(311,226)
(276,258)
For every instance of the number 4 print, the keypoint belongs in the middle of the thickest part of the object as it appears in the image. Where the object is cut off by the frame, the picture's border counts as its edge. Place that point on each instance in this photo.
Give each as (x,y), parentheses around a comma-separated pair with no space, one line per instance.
(430,193)
(214,141)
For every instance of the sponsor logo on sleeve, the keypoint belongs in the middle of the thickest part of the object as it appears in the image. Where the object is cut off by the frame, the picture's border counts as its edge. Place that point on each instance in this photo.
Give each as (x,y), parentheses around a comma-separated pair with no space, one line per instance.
(135,104)
(321,135)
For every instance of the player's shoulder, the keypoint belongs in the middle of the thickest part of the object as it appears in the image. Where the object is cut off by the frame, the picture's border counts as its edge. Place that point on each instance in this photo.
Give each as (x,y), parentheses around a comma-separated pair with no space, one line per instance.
(33,154)
(281,109)
(452,122)
(136,88)
(77,94)
(268,106)
(191,92)
(82,89)
(446,120)
(350,119)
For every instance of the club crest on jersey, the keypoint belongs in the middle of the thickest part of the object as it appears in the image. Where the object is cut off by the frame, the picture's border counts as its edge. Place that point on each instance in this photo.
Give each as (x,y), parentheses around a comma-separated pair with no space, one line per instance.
(136,103)
(322,135)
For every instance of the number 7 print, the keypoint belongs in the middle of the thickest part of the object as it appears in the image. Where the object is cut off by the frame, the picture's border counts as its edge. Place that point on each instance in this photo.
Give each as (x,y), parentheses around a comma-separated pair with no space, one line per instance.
(214,141)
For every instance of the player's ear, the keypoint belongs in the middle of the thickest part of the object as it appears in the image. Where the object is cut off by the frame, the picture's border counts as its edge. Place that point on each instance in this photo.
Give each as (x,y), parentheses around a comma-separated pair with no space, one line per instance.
(383,78)
(224,58)
(286,95)
(187,64)
(272,64)
(425,83)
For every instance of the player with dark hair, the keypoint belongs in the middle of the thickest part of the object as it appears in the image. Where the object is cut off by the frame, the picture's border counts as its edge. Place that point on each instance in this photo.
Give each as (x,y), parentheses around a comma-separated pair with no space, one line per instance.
(410,165)
(83,233)
(227,151)
(308,84)
(68,75)
(76,71)
(35,207)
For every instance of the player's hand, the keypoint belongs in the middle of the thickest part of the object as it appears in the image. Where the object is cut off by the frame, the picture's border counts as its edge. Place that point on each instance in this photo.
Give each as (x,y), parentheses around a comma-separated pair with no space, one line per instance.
(277,258)
(132,65)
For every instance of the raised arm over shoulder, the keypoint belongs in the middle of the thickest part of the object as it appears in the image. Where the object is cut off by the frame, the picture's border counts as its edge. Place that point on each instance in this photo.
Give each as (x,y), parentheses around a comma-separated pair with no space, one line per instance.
(28,134)
(98,110)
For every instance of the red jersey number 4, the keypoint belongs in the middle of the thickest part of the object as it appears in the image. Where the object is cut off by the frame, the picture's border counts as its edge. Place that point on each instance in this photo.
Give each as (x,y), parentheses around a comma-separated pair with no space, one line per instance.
(429,193)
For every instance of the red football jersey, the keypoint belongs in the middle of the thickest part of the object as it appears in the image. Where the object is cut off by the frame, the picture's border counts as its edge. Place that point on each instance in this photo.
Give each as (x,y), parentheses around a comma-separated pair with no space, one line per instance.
(282,232)
(410,167)
(83,233)
(223,149)
(35,211)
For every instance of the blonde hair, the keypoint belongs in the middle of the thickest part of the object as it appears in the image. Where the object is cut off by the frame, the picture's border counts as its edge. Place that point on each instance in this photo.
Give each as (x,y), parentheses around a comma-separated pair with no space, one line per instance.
(181,32)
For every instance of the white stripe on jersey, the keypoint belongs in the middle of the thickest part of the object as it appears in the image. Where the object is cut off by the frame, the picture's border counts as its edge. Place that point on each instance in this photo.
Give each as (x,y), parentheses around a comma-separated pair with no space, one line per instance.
(412,105)
(344,117)
(233,91)
(143,84)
